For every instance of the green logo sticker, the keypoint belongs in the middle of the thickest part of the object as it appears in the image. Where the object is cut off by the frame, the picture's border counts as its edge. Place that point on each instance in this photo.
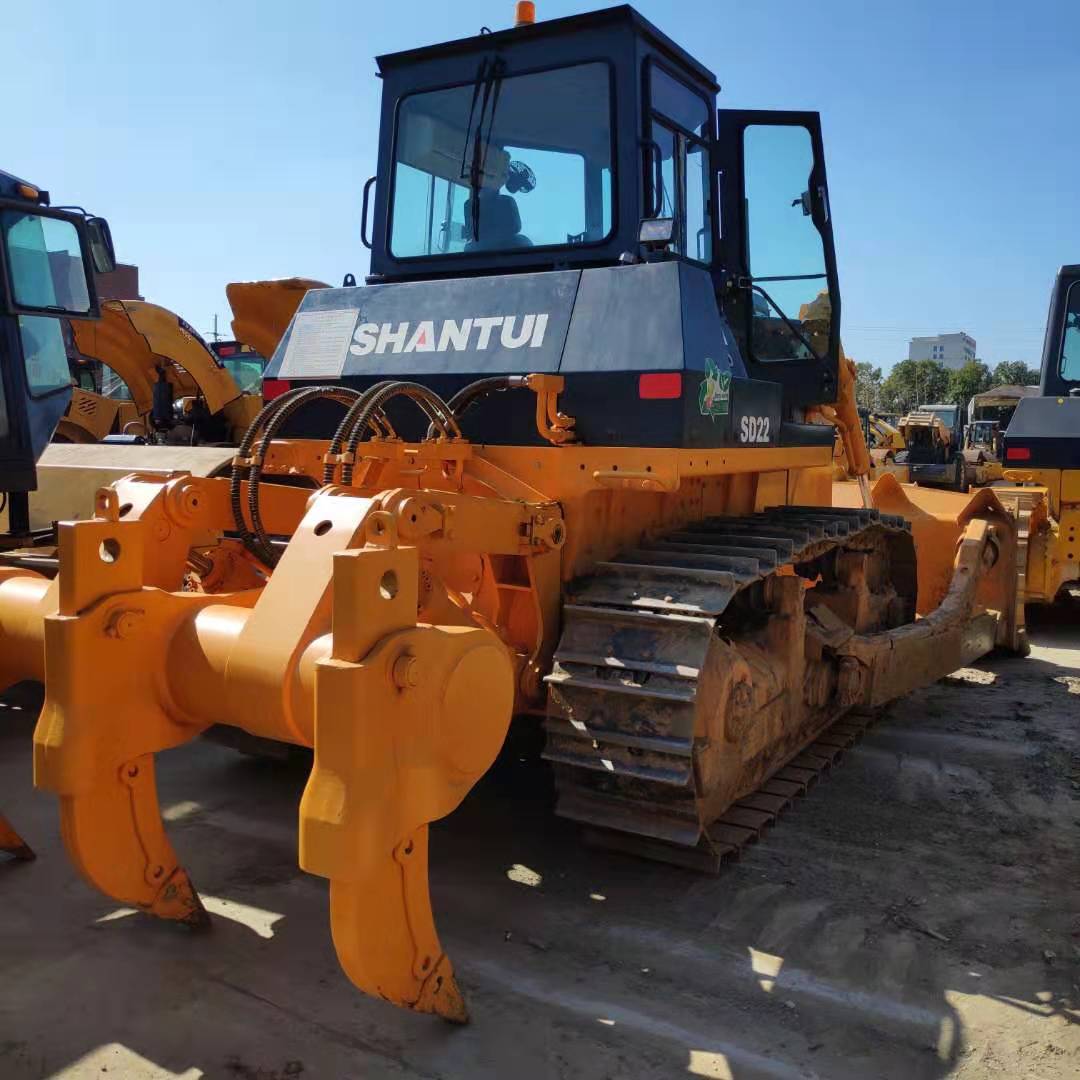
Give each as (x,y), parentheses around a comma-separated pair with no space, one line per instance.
(714,394)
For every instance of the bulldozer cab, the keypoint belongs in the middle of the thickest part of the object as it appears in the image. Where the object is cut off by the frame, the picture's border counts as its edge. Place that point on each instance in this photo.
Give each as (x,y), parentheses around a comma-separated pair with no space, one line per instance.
(593,143)
(1044,432)
(1061,347)
(47,262)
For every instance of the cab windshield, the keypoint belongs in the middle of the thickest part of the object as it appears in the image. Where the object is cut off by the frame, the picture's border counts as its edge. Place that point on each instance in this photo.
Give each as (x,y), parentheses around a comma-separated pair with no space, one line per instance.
(112,386)
(947,414)
(246,369)
(506,163)
(45,265)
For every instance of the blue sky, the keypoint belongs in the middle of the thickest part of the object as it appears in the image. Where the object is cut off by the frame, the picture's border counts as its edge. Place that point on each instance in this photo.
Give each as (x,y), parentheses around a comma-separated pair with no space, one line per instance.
(230,140)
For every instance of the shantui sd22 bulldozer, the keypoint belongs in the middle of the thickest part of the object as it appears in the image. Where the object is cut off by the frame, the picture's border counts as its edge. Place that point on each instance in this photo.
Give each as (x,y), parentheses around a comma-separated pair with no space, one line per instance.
(552,461)
(46,256)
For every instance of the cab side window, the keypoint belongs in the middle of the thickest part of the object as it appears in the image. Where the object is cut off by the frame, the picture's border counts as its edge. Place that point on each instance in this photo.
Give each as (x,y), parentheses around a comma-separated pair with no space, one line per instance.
(681,131)
(1070,351)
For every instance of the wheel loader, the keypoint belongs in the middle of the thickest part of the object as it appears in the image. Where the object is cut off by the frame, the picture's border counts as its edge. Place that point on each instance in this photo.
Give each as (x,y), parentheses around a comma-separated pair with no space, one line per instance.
(561,458)
(47,259)
(1042,454)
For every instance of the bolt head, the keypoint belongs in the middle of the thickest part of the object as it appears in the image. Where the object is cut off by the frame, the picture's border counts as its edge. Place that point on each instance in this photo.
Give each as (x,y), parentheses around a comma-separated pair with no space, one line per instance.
(406,672)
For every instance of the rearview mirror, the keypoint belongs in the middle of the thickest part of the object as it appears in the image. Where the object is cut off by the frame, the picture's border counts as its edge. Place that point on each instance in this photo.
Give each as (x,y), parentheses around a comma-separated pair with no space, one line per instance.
(804,201)
(101,245)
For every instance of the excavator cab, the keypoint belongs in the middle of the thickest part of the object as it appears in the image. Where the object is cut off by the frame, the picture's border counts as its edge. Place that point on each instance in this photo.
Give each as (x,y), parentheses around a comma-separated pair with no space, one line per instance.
(48,258)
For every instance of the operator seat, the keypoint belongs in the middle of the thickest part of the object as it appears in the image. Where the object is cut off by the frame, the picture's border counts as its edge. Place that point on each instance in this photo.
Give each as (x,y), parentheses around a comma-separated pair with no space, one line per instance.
(500,223)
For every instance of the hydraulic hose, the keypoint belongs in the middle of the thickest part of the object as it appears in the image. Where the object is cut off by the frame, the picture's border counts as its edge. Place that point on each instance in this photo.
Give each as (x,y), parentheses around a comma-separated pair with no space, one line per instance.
(350,423)
(273,426)
(365,412)
(469,395)
(433,406)
(268,423)
(343,430)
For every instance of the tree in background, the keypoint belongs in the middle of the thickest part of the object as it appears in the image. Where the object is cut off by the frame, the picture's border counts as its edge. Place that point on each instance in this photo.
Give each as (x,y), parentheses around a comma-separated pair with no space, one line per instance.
(973,378)
(912,383)
(868,386)
(1014,373)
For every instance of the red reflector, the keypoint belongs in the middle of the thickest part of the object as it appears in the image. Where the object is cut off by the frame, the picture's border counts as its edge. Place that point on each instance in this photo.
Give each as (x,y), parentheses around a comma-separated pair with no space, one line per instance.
(226,350)
(661,384)
(273,388)
(1018,453)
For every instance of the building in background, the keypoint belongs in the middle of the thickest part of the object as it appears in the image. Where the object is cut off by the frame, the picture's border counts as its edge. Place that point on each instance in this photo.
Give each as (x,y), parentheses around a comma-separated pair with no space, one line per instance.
(953,350)
(121,284)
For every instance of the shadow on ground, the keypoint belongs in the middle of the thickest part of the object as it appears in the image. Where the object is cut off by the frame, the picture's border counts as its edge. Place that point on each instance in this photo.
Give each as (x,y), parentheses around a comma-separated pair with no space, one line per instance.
(912,917)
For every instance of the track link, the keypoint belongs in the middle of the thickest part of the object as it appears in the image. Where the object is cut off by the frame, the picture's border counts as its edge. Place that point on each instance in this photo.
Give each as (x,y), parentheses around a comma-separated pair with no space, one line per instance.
(623,729)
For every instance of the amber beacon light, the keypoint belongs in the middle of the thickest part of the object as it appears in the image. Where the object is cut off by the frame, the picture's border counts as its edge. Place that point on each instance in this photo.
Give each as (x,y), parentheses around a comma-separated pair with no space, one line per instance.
(524,13)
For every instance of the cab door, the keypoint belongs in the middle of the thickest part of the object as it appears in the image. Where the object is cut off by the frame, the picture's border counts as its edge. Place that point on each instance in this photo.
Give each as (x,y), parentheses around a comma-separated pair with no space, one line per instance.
(778,263)
(45,277)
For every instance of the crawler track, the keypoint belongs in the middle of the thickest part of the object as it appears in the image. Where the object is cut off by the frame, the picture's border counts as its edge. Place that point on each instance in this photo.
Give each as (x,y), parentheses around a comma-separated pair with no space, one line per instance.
(624,727)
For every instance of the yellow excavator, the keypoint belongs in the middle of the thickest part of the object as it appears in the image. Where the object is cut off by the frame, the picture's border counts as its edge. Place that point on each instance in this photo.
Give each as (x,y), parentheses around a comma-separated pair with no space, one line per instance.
(162,386)
(885,440)
(560,458)
(166,385)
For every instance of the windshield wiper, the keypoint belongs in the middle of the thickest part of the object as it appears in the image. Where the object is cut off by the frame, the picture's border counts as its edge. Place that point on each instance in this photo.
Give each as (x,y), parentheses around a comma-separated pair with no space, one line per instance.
(488,83)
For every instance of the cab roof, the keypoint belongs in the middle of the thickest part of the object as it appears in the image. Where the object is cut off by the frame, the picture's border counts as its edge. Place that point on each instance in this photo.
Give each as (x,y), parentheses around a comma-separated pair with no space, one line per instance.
(9,185)
(622,15)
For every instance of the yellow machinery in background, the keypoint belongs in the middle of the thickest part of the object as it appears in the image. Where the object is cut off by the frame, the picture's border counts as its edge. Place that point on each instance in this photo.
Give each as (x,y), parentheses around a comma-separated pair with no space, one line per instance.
(982,451)
(555,461)
(933,447)
(1042,454)
(885,440)
(149,350)
(882,441)
(171,386)
(262,310)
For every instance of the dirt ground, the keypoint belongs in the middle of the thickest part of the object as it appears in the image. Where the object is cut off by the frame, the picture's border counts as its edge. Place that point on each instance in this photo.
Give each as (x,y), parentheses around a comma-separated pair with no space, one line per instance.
(916,915)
